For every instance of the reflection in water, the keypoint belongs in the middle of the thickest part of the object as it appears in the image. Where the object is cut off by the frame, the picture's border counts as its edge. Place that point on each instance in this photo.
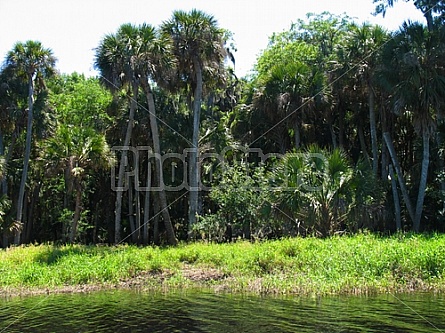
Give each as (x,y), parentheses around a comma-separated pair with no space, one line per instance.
(130,311)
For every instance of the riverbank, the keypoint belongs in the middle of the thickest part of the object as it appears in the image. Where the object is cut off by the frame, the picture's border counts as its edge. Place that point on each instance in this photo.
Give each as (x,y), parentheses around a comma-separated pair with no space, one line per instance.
(361,264)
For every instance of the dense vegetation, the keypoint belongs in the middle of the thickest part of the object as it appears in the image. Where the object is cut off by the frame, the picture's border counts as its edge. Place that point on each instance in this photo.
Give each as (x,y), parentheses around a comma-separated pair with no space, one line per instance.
(338,265)
(339,128)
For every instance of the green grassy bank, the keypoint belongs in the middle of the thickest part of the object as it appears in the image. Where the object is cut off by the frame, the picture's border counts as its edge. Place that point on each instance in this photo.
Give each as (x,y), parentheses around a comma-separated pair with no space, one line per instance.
(340,265)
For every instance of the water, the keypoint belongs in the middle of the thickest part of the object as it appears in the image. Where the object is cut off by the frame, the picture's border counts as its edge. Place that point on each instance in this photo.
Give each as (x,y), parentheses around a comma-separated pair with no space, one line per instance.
(131,311)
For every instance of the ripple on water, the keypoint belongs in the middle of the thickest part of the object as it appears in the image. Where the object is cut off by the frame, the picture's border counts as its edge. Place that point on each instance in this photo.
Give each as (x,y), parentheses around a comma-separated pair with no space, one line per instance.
(130,311)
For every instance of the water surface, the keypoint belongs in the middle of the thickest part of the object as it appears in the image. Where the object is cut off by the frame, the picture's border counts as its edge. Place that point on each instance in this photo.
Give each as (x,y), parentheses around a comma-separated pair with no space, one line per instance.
(131,311)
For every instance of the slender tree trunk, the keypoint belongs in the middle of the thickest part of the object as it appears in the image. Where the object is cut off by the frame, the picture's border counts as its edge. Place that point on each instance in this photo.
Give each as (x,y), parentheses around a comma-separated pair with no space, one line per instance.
(400,177)
(77,211)
(131,213)
(423,181)
(341,128)
(7,159)
(428,14)
(5,239)
(440,162)
(133,229)
(96,220)
(30,223)
(361,138)
(123,160)
(395,195)
(2,146)
(69,183)
(3,181)
(157,210)
(373,130)
(159,179)
(146,207)
(297,134)
(385,160)
(25,161)
(3,187)
(333,136)
(194,155)
(138,215)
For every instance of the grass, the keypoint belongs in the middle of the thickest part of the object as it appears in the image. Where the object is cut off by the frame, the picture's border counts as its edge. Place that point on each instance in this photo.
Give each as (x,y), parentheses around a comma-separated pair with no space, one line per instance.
(359,264)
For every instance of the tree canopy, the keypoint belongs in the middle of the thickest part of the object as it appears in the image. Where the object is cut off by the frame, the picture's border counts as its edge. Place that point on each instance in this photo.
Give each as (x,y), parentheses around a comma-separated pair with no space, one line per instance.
(337,120)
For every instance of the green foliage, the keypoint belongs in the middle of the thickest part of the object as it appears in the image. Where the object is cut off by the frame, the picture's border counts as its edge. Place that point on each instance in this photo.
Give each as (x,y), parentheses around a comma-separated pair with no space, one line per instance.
(79,101)
(320,190)
(325,82)
(240,196)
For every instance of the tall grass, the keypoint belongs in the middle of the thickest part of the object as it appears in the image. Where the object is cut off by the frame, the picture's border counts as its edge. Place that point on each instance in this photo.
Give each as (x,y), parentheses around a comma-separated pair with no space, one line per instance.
(363,263)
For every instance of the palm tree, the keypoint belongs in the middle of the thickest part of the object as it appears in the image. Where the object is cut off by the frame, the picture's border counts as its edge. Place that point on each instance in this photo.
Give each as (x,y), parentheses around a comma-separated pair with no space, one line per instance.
(77,150)
(417,84)
(155,59)
(198,46)
(34,63)
(132,57)
(115,59)
(317,188)
(363,43)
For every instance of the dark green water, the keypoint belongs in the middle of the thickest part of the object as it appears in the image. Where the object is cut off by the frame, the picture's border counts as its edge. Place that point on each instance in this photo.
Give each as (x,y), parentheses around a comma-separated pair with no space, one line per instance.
(127,311)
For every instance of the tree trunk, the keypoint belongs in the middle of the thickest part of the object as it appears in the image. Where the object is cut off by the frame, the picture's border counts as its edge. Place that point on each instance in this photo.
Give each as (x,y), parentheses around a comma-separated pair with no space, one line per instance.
(400,177)
(30,223)
(373,130)
(77,211)
(7,159)
(333,136)
(341,128)
(159,179)
(440,162)
(96,220)
(5,239)
(133,230)
(146,207)
(361,138)
(120,180)
(395,195)
(428,14)
(157,209)
(69,183)
(3,186)
(297,134)
(25,161)
(385,160)
(423,181)
(194,155)
(138,215)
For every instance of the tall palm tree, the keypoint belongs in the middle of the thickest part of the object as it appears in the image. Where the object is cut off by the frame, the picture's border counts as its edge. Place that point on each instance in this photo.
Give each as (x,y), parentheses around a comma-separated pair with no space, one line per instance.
(34,63)
(417,85)
(131,58)
(363,43)
(154,60)
(198,46)
(114,58)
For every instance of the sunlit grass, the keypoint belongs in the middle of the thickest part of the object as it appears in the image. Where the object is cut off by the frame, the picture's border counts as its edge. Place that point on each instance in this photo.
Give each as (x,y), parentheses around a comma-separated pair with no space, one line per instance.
(358,264)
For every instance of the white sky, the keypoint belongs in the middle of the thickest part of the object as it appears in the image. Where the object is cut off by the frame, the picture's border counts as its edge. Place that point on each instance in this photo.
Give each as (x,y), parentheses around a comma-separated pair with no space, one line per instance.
(73,28)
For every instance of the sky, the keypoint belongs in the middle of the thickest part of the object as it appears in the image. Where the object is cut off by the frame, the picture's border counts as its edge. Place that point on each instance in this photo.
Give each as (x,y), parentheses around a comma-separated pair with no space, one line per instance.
(73,28)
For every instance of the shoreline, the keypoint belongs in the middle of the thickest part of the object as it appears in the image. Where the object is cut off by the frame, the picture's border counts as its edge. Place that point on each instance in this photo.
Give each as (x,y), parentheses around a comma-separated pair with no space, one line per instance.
(190,278)
(349,265)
